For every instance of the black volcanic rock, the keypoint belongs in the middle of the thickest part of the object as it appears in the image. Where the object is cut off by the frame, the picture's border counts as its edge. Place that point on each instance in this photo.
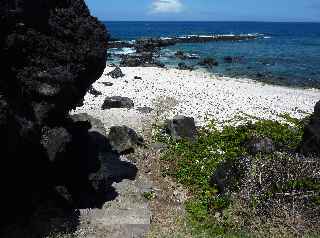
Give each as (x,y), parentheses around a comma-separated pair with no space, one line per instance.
(310,144)
(116,73)
(50,54)
(208,62)
(117,102)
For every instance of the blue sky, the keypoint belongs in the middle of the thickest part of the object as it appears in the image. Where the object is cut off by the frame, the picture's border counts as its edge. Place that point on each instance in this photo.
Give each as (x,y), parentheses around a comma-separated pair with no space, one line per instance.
(206,10)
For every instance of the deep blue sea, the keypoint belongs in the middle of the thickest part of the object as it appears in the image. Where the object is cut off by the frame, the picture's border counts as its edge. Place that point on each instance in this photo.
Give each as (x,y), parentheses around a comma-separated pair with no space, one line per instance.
(285,53)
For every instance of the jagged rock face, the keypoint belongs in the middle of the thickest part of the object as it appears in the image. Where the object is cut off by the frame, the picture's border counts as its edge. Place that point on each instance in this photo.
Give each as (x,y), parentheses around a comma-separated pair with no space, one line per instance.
(53,53)
(50,53)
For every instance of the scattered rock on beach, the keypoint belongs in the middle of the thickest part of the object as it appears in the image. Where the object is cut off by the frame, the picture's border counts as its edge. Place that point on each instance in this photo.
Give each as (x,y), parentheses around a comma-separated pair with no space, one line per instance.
(208,62)
(181,127)
(124,139)
(117,102)
(94,91)
(116,73)
(108,84)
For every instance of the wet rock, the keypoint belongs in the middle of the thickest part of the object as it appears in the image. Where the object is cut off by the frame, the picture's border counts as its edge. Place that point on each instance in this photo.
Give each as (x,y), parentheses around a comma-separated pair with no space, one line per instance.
(184,56)
(124,139)
(257,145)
(183,66)
(180,55)
(181,127)
(137,77)
(94,91)
(208,62)
(228,59)
(116,73)
(117,102)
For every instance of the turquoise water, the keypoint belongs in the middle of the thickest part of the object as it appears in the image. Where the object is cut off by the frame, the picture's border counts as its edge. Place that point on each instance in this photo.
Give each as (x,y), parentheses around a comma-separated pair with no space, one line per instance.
(284,53)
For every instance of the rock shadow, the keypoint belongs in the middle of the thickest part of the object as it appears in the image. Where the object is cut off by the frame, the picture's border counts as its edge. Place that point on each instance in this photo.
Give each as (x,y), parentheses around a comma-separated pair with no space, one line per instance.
(90,167)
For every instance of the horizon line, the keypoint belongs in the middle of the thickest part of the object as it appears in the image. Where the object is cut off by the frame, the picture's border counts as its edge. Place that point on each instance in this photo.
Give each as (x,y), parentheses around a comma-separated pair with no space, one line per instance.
(316,22)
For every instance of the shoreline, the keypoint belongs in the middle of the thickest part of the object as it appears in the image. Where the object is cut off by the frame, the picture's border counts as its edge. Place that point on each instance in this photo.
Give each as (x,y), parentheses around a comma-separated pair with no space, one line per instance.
(196,94)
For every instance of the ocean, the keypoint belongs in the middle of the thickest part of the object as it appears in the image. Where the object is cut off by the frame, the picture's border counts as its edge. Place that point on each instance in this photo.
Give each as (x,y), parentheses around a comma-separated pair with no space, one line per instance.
(284,53)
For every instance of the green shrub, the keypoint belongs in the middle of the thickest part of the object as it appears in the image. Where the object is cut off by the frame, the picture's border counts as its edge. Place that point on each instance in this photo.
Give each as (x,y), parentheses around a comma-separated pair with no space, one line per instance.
(193,163)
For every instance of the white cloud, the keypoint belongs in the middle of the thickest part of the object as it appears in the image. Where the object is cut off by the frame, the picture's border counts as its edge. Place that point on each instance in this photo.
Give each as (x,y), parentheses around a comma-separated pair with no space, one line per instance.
(166,6)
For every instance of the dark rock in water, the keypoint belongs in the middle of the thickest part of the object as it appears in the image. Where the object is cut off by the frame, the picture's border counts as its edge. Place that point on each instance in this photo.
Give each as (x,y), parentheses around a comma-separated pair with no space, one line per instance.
(94,91)
(181,127)
(131,61)
(50,54)
(257,145)
(180,55)
(137,77)
(183,66)
(108,84)
(228,59)
(184,56)
(310,144)
(145,109)
(235,59)
(208,62)
(229,173)
(124,139)
(116,73)
(154,44)
(117,102)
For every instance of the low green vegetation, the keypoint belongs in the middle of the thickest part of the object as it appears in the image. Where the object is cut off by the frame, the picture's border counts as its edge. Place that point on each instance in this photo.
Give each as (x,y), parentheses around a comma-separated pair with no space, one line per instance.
(273,177)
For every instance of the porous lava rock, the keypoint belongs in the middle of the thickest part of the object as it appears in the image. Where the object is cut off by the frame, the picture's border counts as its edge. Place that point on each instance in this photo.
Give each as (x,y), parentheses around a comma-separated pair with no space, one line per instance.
(50,53)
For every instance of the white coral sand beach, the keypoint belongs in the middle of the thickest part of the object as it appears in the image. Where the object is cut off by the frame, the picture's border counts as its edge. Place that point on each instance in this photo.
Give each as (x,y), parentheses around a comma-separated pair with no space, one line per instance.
(197,94)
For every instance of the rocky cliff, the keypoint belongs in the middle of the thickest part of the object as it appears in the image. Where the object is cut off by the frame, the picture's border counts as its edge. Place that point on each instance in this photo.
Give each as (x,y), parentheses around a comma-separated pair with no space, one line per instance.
(50,53)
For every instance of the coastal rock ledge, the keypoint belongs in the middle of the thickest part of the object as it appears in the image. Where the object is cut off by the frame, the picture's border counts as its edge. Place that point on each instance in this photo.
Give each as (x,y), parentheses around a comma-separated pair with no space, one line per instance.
(50,54)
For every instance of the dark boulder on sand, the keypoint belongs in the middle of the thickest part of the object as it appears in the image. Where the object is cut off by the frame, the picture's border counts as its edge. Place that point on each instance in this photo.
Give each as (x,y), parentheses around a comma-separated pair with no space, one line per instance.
(50,54)
(117,102)
(116,73)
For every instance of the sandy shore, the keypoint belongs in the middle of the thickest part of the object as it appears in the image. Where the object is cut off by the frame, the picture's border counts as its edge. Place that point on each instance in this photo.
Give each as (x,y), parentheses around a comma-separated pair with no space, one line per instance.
(194,93)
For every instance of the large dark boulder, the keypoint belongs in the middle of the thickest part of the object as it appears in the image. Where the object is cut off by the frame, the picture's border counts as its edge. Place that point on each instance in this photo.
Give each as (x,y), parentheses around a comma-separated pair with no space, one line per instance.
(50,53)
(181,127)
(310,144)
(124,139)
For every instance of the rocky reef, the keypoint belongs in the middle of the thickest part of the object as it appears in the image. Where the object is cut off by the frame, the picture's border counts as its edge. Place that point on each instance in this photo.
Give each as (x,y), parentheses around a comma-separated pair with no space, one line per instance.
(50,53)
